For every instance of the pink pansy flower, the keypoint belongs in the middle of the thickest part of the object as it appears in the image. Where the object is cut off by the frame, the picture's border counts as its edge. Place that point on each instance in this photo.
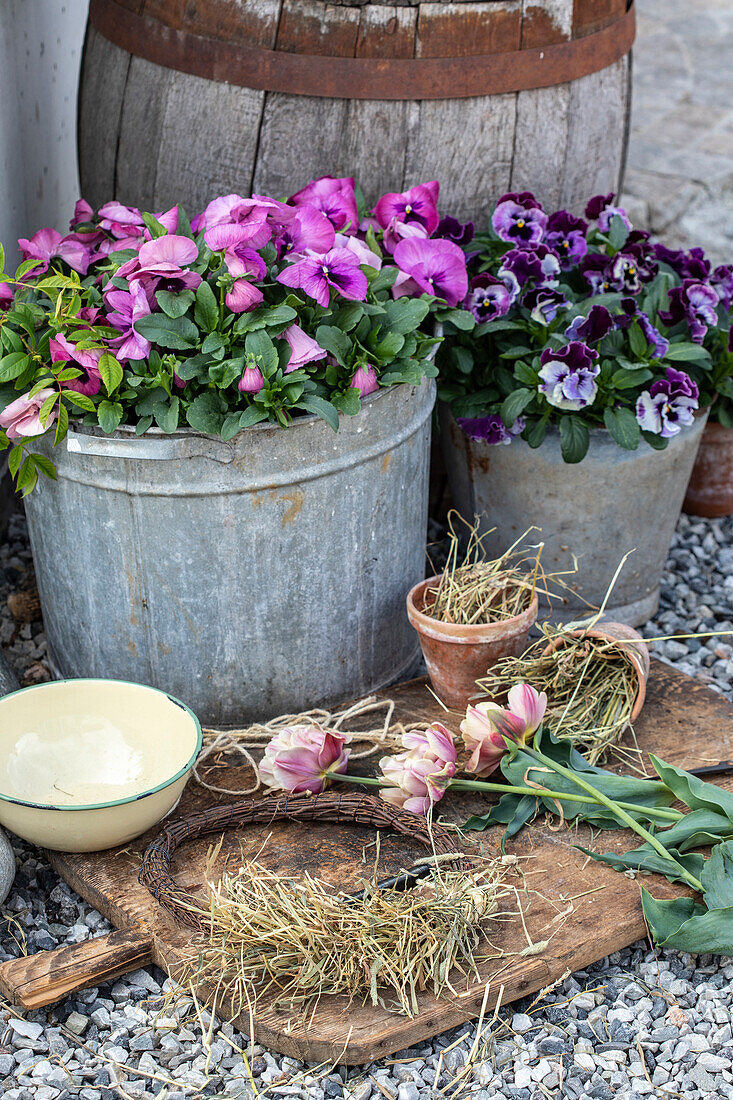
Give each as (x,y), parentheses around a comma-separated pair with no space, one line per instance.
(298,758)
(48,244)
(242,262)
(486,726)
(121,222)
(336,198)
(159,265)
(307,229)
(364,379)
(90,381)
(361,250)
(21,418)
(82,213)
(252,379)
(128,306)
(419,778)
(219,210)
(437,267)
(416,208)
(169,219)
(397,231)
(303,348)
(7,294)
(316,275)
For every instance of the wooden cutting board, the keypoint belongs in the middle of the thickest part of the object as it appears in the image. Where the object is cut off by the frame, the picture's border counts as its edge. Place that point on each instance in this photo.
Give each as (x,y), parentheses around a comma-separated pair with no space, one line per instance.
(585,909)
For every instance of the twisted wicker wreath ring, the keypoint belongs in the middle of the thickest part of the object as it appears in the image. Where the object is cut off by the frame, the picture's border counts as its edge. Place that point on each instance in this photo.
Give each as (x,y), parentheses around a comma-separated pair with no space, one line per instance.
(359,809)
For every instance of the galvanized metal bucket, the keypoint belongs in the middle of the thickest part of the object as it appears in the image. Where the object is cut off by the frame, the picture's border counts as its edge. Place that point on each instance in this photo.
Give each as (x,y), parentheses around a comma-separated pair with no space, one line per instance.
(250,578)
(7,494)
(612,502)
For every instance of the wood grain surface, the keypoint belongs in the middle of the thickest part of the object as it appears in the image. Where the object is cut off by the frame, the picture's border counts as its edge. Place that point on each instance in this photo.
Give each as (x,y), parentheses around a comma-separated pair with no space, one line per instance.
(152,136)
(585,909)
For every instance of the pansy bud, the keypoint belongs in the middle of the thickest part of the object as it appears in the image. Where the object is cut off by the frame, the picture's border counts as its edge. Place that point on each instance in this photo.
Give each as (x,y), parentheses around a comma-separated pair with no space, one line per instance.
(364,380)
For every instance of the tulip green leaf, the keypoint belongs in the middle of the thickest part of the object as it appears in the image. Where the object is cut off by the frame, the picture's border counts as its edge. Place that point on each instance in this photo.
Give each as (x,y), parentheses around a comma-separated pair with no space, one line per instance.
(693,791)
(686,926)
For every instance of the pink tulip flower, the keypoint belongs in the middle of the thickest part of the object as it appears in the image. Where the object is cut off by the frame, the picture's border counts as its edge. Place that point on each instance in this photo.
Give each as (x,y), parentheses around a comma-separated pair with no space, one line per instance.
(364,380)
(420,777)
(303,348)
(486,727)
(298,758)
(21,418)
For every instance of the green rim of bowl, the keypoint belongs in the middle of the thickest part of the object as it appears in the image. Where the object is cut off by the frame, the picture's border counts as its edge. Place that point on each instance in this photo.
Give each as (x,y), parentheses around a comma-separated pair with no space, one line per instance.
(118,801)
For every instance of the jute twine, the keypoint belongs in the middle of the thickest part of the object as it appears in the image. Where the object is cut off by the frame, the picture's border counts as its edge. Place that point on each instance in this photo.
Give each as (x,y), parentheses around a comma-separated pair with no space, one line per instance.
(384,737)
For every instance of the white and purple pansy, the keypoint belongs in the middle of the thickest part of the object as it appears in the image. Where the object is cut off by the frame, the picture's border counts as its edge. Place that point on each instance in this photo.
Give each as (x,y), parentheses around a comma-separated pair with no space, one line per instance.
(668,405)
(519,218)
(491,428)
(538,263)
(544,304)
(601,209)
(695,303)
(569,375)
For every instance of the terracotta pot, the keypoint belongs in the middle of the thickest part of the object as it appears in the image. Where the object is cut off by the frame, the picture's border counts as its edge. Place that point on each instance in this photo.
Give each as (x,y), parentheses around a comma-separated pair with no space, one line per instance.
(638,654)
(457,655)
(710,492)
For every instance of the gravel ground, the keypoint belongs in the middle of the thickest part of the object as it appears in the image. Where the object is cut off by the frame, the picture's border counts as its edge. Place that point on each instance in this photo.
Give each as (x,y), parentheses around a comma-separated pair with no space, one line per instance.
(632,1025)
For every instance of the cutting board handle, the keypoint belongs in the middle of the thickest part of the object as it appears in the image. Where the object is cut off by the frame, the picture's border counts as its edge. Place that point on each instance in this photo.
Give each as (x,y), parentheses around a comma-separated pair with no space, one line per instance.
(34,981)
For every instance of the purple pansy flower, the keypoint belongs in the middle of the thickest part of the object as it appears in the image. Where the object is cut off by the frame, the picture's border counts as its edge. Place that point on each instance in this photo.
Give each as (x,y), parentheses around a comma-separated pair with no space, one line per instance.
(90,381)
(418,206)
(668,405)
(592,328)
(316,275)
(569,376)
(519,218)
(128,306)
(544,303)
(336,198)
(565,235)
(601,209)
(595,269)
(307,229)
(488,298)
(693,302)
(721,281)
(452,230)
(491,428)
(434,266)
(539,263)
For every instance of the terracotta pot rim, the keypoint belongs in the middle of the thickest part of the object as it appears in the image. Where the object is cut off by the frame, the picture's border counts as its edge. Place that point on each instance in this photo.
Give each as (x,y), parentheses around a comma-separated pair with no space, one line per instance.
(638,656)
(467,635)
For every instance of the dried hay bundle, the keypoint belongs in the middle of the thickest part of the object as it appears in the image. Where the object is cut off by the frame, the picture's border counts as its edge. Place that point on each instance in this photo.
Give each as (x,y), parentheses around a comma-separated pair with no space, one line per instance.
(591,686)
(478,592)
(303,939)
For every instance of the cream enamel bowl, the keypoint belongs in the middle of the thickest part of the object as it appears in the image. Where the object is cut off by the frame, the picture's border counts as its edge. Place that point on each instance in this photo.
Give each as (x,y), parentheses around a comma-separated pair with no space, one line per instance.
(90,764)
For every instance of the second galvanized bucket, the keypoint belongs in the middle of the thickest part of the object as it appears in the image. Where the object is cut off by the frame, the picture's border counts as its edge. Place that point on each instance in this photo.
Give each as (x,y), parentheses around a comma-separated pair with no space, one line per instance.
(249,578)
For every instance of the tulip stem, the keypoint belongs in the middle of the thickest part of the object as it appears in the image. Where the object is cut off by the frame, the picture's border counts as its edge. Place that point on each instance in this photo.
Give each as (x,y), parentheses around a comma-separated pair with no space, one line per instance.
(506,788)
(616,808)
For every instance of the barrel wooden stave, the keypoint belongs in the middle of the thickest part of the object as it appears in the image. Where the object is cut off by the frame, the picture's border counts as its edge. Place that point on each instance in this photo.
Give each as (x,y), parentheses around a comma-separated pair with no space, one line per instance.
(178,137)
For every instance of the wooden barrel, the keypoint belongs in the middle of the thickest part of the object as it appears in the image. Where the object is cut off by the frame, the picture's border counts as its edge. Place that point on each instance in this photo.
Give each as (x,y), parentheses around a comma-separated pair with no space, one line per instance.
(182,100)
